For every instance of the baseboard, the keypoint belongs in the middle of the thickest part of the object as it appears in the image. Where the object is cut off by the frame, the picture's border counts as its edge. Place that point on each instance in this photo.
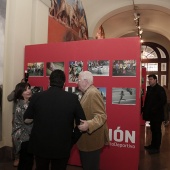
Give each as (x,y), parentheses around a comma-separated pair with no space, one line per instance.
(6,154)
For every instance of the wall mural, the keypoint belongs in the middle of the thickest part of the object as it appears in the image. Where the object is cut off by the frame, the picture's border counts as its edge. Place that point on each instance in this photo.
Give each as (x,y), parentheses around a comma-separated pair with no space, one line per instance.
(100,33)
(67,21)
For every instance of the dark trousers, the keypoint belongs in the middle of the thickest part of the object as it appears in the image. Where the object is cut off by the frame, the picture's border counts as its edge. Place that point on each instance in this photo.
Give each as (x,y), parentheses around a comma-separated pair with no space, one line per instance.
(90,160)
(55,164)
(26,159)
(156,133)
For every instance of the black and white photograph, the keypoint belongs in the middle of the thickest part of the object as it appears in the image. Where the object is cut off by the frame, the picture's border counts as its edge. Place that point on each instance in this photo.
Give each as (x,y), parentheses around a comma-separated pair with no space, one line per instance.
(75,67)
(103,93)
(35,69)
(74,90)
(36,89)
(124,68)
(124,96)
(51,66)
(99,67)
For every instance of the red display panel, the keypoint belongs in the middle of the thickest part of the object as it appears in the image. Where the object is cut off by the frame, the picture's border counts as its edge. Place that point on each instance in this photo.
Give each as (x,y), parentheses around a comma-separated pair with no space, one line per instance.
(122,84)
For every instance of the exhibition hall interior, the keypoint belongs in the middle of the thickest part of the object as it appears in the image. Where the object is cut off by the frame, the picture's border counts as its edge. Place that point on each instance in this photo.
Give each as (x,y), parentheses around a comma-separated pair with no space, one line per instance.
(119,42)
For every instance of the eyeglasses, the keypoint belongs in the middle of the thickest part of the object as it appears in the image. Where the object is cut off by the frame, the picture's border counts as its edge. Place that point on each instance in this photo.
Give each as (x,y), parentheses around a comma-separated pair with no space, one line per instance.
(81,80)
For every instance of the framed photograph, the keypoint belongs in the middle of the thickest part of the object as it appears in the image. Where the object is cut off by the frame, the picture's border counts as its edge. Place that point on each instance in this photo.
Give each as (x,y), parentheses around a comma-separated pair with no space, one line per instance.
(74,90)
(75,67)
(103,93)
(124,68)
(124,96)
(35,69)
(99,67)
(36,89)
(51,66)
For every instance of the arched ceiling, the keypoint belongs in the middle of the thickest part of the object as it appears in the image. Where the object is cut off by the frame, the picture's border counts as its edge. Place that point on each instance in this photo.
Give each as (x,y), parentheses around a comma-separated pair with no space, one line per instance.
(117,16)
(117,19)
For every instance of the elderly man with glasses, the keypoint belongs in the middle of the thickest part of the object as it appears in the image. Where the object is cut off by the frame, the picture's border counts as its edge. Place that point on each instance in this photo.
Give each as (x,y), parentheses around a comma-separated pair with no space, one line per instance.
(96,136)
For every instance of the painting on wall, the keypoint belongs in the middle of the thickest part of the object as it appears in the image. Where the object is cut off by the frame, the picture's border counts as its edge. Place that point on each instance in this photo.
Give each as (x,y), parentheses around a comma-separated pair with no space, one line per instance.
(67,21)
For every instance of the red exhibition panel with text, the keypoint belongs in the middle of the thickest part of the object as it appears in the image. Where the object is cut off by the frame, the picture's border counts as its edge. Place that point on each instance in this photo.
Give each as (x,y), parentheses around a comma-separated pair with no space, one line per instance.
(115,64)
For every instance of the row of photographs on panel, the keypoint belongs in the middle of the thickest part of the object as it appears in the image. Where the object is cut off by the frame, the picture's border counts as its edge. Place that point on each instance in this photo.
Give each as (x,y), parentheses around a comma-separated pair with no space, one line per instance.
(121,96)
(96,67)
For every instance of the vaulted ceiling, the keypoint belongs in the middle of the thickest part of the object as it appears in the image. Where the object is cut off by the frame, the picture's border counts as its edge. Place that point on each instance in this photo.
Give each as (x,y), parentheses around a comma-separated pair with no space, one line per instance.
(117,18)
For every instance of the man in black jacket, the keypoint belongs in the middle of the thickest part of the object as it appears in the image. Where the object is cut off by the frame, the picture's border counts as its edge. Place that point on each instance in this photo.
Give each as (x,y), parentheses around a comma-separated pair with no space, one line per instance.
(54,112)
(153,111)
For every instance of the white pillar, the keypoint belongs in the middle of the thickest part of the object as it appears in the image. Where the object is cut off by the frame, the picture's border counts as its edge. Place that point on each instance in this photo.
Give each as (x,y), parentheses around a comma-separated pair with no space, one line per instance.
(26,24)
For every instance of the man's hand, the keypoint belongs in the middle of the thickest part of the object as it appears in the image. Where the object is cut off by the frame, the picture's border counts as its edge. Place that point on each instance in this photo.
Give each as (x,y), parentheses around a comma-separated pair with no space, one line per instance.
(83,125)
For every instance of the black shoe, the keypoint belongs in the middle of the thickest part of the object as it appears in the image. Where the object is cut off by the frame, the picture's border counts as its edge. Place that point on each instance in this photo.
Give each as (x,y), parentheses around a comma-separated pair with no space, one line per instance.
(149,147)
(154,151)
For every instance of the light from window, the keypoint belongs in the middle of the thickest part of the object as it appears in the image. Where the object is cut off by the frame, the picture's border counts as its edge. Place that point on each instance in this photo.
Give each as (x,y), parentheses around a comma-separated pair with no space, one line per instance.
(150,66)
(162,53)
(148,53)
(163,80)
(163,66)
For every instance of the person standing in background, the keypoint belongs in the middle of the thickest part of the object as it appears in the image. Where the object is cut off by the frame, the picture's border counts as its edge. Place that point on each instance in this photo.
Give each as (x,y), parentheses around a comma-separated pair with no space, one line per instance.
(96,136)
(153,111)
(54,113)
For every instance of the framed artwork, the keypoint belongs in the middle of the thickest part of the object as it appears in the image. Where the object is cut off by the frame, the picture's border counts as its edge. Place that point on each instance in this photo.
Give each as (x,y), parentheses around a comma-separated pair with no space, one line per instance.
(36,89)
(124,96)
(74,90)
(124,68)
(99,67)
(51,66)
(68,17)
(35,69)
(75,67)
(103,93)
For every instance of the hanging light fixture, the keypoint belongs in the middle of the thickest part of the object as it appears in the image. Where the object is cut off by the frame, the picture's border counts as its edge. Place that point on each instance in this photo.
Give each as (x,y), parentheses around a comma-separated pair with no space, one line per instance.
(137,23)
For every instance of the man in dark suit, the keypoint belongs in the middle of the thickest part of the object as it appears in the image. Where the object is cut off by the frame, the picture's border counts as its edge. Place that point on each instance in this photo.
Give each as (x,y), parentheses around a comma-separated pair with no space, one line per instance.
(153,111)
(54,112)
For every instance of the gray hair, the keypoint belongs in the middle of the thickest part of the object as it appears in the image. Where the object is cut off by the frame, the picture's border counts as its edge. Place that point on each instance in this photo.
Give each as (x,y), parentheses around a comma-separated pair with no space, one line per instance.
(87,75)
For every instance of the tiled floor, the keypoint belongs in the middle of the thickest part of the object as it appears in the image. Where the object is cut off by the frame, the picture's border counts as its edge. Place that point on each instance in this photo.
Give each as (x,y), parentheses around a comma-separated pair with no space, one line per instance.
(159,161)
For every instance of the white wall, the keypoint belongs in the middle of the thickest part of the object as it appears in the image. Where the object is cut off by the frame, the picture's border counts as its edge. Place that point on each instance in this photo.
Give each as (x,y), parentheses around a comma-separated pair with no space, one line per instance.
(2,32)
(26,23)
